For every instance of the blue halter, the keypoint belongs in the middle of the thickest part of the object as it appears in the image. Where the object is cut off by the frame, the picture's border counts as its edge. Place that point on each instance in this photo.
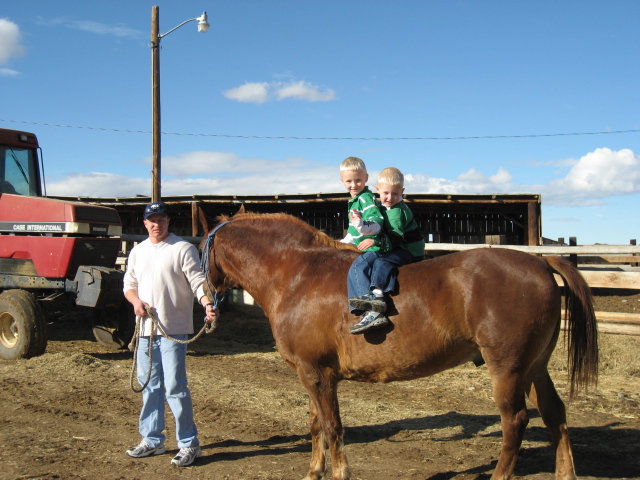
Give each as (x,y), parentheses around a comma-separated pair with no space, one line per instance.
(204,264)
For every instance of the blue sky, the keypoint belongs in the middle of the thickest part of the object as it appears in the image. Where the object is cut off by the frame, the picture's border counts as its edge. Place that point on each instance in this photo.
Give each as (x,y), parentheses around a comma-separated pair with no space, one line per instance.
(397,83)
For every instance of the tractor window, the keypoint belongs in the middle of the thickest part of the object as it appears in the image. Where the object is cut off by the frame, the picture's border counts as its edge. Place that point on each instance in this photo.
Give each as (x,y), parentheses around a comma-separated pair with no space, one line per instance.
(18,171)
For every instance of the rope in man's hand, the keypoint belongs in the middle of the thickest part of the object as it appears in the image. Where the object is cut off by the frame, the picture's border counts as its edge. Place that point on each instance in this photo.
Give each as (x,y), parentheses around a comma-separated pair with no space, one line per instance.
(208,327)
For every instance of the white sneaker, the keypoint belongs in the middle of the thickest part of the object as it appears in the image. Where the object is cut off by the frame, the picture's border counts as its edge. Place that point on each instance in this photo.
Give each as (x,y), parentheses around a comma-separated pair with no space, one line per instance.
(370,320)
(186,456)
(144,450)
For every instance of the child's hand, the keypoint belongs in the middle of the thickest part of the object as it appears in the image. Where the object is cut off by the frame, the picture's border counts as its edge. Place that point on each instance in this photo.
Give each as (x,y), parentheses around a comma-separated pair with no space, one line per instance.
(366,243)
(354,216)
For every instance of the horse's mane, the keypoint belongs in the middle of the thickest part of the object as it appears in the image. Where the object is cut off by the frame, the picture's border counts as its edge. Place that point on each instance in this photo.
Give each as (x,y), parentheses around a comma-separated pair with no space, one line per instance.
(294,224)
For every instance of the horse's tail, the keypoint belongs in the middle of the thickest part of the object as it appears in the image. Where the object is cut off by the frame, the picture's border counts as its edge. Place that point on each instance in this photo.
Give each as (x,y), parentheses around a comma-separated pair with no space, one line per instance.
(582,329)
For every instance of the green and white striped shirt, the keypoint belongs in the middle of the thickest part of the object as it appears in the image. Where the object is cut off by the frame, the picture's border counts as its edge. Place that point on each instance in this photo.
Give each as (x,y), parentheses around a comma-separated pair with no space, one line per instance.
(371,223)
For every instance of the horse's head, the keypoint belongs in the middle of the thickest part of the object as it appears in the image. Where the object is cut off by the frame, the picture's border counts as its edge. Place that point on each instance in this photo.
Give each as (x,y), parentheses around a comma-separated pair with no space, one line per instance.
(217,281)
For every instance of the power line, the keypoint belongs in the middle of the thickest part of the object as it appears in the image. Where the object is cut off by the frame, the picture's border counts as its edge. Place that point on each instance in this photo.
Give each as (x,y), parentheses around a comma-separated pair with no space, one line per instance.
(259,137)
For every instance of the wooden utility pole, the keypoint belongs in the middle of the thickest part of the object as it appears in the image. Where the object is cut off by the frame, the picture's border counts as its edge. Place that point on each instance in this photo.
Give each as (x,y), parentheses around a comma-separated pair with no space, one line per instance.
(155,108)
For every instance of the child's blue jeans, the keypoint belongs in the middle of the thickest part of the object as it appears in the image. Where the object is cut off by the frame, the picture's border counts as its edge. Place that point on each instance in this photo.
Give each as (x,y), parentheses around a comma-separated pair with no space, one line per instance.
(376,270)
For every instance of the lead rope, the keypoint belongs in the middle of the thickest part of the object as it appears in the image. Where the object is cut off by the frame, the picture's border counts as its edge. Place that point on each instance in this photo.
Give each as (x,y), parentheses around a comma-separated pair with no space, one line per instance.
(208,327)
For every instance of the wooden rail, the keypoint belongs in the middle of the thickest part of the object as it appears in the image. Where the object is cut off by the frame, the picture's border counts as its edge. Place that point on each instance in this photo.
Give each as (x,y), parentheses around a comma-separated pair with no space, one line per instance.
(600,278)
(617,322)
(542,249)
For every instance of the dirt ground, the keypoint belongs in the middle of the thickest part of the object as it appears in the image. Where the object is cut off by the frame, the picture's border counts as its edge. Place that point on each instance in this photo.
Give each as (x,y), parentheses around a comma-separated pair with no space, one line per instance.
(70,414)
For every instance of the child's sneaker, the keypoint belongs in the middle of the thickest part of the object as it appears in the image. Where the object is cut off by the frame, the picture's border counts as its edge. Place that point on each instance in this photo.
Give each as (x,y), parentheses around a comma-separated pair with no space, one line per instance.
(370,301)
(370,320)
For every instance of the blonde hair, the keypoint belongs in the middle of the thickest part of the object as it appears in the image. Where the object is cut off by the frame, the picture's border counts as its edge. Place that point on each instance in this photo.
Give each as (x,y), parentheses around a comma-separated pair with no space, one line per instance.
(352,164)
(391,176)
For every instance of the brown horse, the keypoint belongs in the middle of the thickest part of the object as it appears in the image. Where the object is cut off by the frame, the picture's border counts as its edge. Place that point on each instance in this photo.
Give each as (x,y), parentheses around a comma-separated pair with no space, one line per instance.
(499,306)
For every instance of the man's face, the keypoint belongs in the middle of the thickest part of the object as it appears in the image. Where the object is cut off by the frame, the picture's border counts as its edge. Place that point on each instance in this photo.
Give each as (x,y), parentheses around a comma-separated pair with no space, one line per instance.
(158,227)
(354,181)
(389,194)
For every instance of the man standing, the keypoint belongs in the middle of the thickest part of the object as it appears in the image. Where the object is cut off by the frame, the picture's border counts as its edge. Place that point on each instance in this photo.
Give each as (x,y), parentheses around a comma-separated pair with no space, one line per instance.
(163,274)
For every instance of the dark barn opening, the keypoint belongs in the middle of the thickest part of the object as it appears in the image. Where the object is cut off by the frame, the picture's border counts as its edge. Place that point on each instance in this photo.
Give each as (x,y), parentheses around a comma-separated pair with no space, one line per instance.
(510,219)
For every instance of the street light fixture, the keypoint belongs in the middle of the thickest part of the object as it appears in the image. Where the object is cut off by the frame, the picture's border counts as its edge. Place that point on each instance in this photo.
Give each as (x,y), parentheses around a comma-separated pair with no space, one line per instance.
(203,26)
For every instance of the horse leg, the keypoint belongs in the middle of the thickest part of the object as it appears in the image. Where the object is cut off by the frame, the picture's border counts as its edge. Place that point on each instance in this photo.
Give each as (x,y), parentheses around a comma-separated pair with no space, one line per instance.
(323,393)
(317,467)
(509,397)
(544,396)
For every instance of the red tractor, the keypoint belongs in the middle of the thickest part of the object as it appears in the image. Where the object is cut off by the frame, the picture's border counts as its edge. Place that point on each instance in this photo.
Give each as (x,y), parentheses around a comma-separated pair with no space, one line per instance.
(54,255)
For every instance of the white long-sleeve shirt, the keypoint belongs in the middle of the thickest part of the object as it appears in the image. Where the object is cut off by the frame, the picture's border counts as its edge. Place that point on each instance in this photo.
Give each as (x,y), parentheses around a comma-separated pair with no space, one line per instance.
(166,275)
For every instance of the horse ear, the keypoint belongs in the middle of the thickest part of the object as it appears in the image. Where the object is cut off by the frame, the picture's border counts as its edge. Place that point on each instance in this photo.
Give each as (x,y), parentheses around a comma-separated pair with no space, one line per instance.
(241,210)
(203,221)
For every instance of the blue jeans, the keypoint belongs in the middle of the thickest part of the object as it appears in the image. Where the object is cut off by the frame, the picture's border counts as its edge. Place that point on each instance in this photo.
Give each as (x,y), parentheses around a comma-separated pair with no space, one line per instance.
(376,270)
(168,379)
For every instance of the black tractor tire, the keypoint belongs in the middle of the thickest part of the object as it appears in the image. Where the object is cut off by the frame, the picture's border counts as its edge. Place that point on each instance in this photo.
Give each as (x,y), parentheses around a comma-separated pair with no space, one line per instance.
(22,326)
(29,302)
(114,327)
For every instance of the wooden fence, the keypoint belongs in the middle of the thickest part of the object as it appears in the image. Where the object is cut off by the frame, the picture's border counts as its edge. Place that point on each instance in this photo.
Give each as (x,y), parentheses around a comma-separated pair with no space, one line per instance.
(602,266)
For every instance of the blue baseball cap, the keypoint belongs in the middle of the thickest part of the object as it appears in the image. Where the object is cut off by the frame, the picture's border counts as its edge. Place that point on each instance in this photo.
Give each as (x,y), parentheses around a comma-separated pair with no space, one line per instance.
(156,207)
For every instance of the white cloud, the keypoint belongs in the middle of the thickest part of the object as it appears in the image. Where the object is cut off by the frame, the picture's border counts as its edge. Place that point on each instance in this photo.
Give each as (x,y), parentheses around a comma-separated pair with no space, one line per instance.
(249,93)
(7,72)
(598,175)
(209,173)
(303,91)
(98,184)
(227,164)
(202,163)
(419,183)
(593,179)
(10,46)
(502,177)
(278,180)
(261,92)
(473,176)
(605,172)
(102,29)
(91,26)
(469,182)
(224,173)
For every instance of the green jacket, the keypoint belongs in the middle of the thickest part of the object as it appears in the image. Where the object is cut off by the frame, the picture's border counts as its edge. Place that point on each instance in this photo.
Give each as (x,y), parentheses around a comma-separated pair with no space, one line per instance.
(366,204)
(401,230)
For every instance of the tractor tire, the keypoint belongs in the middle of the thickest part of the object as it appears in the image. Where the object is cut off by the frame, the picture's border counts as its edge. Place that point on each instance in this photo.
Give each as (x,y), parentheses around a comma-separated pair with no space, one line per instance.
(114,327)
(29,302)
(22,326)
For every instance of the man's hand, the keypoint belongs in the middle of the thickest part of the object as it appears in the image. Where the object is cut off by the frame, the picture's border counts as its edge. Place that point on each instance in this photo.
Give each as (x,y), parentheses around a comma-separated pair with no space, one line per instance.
(366,243)
(140,308)
(211,314)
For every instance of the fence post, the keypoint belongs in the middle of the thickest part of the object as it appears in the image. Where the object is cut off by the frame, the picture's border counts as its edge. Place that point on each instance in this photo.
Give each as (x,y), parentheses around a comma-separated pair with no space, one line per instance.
(573,258)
